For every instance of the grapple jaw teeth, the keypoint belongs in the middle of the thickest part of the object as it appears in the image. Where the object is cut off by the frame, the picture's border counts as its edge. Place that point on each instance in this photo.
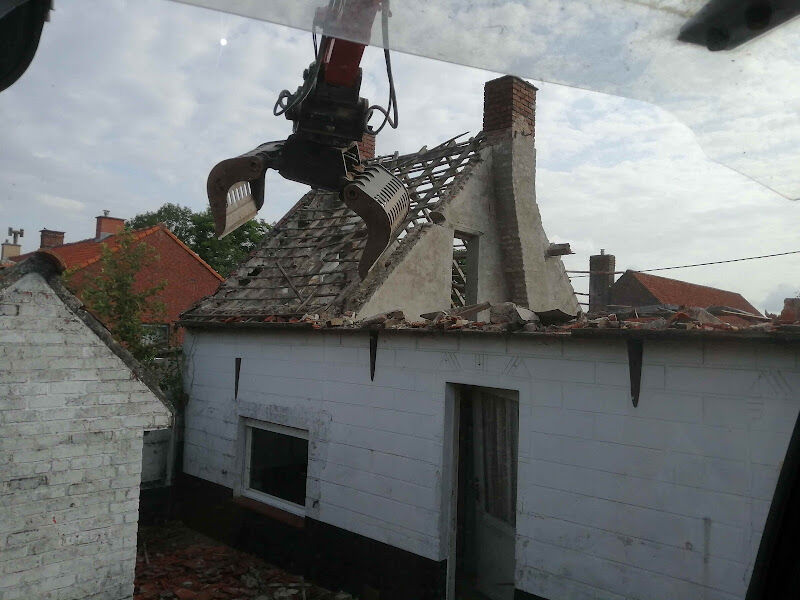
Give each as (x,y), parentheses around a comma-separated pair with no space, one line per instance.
(382,201)
(236,187)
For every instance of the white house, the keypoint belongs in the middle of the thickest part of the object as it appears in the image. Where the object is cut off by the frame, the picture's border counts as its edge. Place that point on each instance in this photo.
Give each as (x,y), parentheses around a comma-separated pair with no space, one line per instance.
(73,408)
(427,463)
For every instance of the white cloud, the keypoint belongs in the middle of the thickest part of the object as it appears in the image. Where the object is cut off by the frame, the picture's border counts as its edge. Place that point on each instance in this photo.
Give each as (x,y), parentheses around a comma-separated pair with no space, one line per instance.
(66,204)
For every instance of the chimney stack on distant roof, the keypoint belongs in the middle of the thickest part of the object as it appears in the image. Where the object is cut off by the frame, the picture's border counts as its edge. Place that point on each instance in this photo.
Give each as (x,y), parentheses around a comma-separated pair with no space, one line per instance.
(50,238)
(791,310)
(366,147)
(11,249)
(107,226)
(601,278)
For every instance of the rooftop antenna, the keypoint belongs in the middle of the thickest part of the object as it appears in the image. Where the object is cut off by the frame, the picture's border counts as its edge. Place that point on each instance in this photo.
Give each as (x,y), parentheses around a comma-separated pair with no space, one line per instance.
(16,234)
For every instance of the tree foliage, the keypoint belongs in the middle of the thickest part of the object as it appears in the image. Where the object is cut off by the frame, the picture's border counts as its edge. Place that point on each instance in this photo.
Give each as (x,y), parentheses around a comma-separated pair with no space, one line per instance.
(196,230)
(112,294)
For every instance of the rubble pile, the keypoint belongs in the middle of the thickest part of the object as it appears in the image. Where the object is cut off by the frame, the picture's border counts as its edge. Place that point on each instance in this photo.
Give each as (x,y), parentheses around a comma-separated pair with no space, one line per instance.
(507,316)
(176,563)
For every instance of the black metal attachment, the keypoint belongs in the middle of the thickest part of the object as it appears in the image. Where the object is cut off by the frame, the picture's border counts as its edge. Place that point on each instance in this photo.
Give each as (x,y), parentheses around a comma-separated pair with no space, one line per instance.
(373,352)
(382,201)
(331,115)
(238,368)
(21,23)
(775,572)
(726,24)
(635,352)
(321,166)
(236,186)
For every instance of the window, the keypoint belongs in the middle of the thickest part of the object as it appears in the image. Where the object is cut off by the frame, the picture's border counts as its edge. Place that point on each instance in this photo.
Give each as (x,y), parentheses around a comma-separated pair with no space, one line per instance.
(155,334)
(276,463)
(464,289)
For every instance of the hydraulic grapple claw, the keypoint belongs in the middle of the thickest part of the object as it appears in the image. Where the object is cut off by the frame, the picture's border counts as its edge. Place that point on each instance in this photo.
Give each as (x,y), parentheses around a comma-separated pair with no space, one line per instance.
(382,201)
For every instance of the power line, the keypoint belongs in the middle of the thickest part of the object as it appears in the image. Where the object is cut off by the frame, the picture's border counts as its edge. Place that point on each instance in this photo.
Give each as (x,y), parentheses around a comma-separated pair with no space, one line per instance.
(703,264)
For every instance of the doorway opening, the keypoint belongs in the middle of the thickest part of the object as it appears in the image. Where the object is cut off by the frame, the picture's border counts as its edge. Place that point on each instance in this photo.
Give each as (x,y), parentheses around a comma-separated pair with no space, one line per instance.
(485,495)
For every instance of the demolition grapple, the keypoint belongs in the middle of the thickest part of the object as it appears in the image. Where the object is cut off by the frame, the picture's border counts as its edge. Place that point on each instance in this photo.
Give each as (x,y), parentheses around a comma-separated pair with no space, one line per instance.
(329,119)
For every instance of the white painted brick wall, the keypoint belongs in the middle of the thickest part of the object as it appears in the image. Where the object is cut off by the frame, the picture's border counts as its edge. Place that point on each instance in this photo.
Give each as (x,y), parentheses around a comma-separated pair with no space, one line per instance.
(71,421)
(665,500)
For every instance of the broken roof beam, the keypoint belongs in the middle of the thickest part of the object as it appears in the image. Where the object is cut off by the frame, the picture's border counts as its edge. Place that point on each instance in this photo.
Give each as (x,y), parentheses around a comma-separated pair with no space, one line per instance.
(558,250)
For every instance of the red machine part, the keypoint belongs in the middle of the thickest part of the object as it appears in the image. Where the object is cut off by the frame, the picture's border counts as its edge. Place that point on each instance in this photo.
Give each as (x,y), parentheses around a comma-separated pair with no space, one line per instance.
(341,58)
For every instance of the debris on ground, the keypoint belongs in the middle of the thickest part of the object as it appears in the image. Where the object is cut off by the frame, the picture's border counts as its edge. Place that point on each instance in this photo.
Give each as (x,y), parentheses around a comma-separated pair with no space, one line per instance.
(174,562)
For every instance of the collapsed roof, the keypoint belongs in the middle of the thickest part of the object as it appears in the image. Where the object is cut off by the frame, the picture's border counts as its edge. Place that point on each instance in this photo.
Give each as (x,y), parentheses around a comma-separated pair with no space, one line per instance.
(308,262)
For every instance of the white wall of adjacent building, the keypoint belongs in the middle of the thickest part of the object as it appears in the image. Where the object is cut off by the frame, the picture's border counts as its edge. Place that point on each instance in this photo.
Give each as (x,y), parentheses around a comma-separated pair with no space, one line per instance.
(667,499)
(71,421)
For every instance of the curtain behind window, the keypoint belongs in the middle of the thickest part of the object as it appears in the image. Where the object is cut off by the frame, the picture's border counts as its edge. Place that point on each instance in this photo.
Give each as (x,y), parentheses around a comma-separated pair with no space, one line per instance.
(497,420)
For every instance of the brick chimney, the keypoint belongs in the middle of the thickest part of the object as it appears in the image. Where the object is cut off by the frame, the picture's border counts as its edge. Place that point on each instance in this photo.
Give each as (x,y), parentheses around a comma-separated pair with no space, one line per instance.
(509,103)
(50,238)
(791,310)
(366,147)
(531,279)
(601,278)
(107,226)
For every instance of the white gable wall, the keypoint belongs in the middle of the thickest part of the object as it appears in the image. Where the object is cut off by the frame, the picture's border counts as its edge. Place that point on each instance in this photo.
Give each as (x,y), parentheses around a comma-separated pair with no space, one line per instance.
(71,422)
(665,500)
(421,280)
(472,211)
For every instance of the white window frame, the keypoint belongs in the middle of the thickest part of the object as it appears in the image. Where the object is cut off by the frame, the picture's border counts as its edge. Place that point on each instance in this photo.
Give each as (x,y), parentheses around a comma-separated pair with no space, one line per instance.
(247,491)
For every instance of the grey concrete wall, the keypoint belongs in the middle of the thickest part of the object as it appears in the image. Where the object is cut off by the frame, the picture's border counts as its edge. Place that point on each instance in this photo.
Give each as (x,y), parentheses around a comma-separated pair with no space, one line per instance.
(472,211)
(534,280)
(667,500)
(71,422)
(421,280)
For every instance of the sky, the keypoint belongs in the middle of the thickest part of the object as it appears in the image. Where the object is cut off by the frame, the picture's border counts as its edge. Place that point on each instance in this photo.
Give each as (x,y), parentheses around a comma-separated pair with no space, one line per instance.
(128,105)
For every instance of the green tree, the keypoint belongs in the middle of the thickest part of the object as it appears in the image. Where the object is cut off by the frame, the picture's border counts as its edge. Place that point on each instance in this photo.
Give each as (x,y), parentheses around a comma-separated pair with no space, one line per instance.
(112,294)
(196,230)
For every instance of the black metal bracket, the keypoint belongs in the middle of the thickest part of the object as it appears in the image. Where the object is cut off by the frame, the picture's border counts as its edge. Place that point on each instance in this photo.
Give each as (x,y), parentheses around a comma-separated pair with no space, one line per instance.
(373,352)
(635,352)
(238,368)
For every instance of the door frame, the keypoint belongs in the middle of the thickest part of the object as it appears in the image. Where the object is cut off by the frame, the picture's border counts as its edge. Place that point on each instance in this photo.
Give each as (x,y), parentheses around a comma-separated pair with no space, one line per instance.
(449,515)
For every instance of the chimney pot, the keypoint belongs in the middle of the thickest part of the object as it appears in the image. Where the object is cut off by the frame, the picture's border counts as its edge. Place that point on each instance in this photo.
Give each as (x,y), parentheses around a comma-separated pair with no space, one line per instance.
(791,310)
(107,226)
(50,238)
(509,103)
(601,278)
(9,250)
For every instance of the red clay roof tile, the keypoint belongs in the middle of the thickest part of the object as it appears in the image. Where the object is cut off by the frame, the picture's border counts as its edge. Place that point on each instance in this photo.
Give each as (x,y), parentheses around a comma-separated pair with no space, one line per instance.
(682,293)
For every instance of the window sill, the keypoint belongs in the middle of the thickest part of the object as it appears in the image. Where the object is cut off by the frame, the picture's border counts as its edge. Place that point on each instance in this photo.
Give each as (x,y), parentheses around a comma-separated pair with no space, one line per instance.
(272,512)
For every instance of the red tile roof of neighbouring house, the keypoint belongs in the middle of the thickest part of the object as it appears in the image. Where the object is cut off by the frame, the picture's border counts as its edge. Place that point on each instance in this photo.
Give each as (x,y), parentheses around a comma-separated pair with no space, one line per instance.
(187,277)
(682,293)
(80,254)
